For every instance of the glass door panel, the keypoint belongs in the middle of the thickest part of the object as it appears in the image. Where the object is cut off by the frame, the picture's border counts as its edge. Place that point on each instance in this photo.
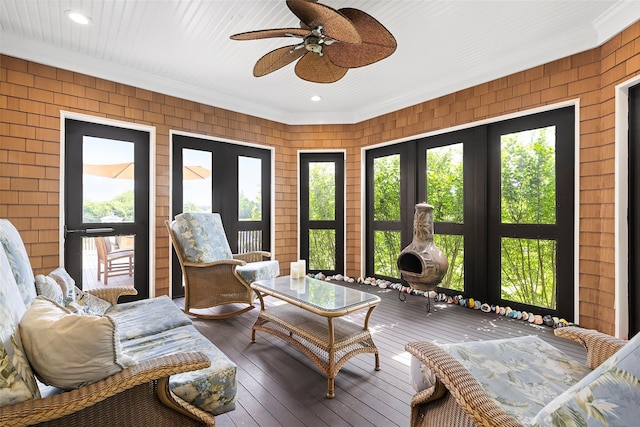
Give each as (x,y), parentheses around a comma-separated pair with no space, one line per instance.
(528,177)
(249,203)
(108,181)
(386,208)
(528,273)
(445,192)
(249,189)
(322,191)
(322,250)
(528,197)
(322,207)
(387,248)
(386,196)
(108,261)
(197,180)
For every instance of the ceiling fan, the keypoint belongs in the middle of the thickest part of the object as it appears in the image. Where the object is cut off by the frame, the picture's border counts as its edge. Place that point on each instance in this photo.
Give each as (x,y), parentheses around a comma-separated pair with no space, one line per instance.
(331,42)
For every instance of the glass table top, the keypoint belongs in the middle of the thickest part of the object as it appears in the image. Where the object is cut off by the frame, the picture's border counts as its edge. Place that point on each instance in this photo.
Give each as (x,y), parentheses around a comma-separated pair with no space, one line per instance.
(325,296)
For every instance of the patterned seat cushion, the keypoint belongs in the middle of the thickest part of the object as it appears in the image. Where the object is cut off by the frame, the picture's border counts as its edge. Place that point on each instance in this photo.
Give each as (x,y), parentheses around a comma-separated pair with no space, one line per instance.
(521,374)
(608,396)
(259,270)
(146,317)
(212,389)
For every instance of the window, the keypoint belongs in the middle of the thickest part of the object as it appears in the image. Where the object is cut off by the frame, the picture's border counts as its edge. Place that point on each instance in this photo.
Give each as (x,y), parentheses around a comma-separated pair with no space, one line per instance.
(503,208)
(322,211)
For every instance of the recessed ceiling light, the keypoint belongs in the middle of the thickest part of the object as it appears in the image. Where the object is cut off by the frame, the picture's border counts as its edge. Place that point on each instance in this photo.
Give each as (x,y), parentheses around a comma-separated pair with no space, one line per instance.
(316,98)
(78,17)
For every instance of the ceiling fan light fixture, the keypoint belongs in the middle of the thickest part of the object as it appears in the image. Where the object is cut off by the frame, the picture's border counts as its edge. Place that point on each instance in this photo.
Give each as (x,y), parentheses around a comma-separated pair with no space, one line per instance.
(334,41)
(316,98)
(78,17)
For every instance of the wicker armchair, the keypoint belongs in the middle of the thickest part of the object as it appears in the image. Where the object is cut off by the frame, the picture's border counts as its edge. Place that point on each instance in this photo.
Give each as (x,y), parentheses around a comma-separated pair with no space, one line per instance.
(213,275)
(457,397)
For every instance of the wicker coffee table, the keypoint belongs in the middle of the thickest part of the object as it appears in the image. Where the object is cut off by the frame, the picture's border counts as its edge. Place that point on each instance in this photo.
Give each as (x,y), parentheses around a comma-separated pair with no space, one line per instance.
(312,323)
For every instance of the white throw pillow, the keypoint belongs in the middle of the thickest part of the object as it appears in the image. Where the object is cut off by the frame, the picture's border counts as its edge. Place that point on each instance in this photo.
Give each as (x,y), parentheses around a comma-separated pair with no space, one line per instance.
(48,287)
(75,299)
(67,350)
(66,283)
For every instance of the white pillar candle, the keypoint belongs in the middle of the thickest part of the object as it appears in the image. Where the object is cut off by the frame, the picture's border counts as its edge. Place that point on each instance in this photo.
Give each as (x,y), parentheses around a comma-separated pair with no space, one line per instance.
(294,271)
(302,265)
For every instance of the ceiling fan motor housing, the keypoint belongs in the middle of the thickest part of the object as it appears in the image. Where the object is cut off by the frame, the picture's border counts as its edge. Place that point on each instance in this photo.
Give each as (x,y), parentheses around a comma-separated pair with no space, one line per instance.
(313,44)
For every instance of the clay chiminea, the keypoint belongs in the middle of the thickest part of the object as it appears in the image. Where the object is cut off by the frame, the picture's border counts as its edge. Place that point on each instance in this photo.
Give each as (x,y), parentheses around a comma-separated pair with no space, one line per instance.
(422,263)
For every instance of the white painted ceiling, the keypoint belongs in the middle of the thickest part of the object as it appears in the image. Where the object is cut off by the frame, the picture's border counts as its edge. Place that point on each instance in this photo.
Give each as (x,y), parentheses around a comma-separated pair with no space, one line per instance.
(182,48)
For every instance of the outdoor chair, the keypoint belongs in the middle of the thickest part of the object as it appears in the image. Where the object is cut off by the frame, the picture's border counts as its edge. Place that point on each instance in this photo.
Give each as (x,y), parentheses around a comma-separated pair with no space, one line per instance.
(213,275)
(525,381)
(113,262)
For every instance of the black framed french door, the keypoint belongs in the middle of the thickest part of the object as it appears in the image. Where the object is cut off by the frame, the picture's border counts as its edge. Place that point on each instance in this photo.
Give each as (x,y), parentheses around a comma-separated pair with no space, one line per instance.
(634,210)
(106,198)
(530,212)
(391,195)
(231,179)
(455,184)
(322,212)
(503,197)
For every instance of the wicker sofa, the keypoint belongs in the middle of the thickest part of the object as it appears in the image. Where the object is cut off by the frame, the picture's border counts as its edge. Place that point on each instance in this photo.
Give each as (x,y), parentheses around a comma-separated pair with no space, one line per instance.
(526,382)
(160,370)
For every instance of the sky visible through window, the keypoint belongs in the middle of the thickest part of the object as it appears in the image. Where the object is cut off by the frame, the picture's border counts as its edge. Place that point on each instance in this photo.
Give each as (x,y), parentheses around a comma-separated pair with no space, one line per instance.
(100,151)
(103,187)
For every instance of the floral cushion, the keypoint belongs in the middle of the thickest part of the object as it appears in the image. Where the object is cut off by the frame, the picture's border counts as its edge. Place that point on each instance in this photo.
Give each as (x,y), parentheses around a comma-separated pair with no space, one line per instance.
(521,374)
(212,389)
(17,382)
(85,303)
(608,396)
(18,260)
(73,298)
(259,270)
(147,317)
(47,287)
(201,237)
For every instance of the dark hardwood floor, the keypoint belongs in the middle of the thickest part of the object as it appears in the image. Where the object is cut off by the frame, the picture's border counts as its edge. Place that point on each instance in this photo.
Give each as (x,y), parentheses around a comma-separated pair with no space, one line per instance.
(278,386)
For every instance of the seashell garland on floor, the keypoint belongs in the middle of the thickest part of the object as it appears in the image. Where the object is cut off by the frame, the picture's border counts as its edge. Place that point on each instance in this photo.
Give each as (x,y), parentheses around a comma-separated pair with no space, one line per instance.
(471,303)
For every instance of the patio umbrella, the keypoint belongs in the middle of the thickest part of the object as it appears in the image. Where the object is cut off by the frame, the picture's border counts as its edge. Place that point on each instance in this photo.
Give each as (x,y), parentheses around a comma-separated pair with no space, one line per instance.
(125,171)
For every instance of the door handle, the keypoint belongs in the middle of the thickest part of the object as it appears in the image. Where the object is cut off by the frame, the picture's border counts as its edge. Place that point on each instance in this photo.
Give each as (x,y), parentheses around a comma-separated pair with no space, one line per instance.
(89,230)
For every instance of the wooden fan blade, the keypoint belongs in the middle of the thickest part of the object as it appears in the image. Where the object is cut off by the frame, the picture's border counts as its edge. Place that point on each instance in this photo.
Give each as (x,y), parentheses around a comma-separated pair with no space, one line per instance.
(334,24)
(267,34)
(276,59)
(377,42)
(319,69)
